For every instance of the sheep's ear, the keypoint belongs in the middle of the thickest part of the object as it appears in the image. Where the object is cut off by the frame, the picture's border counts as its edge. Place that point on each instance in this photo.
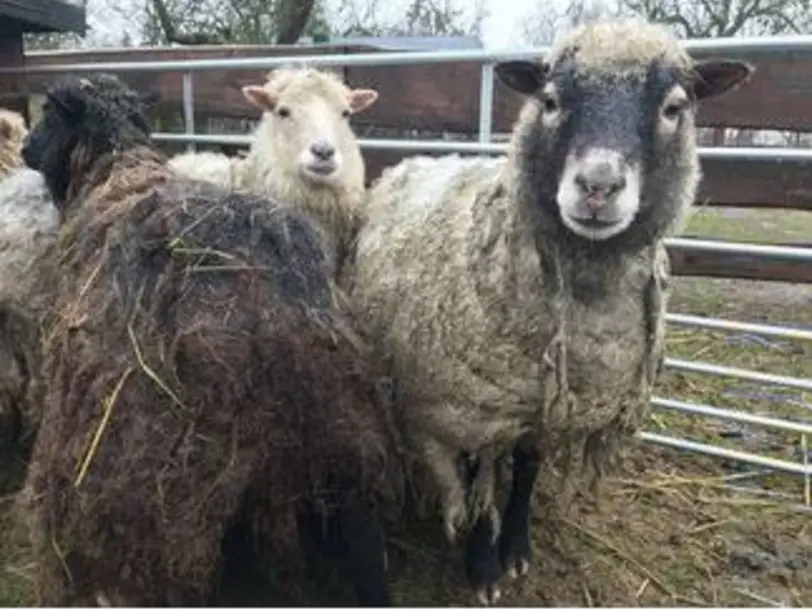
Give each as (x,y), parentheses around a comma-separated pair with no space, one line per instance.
(713,77)
(260,97)
(525,77)
(361,99)
(67,103)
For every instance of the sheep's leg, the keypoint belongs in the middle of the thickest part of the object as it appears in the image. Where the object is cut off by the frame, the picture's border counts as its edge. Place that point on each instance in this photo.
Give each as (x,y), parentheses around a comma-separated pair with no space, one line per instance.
(482,565)
(514,540)
(442,462)
(362,549)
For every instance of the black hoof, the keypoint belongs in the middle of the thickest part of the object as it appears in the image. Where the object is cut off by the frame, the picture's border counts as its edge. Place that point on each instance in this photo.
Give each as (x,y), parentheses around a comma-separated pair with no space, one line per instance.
(482,565)
(514,550)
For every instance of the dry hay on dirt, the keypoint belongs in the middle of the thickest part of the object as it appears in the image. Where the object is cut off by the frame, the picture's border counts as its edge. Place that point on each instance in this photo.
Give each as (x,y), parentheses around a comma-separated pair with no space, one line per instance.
(668,533)
(671,530)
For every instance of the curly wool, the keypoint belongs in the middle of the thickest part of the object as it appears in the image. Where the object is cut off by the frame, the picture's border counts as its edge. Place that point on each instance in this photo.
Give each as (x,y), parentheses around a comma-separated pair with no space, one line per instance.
(499,322)
(197,370)
(29,222)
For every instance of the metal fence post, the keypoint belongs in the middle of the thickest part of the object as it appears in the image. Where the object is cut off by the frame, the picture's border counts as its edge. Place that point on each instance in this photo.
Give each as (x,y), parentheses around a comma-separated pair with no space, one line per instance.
(486,103)
(189,109)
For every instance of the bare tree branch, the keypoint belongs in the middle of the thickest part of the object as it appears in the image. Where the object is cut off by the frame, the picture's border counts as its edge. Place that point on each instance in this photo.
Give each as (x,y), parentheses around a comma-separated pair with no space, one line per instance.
(714,18)
(171,33)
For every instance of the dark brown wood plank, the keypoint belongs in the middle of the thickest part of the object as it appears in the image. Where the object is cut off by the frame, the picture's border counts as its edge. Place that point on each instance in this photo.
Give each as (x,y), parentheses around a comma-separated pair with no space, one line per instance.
(216,92)
(445,97)
(756,183)
(45,15)
(739,266)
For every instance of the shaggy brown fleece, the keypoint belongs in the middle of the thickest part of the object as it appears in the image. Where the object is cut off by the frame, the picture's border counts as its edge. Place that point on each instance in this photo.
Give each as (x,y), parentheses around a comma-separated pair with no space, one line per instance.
(197,373)
(17,352)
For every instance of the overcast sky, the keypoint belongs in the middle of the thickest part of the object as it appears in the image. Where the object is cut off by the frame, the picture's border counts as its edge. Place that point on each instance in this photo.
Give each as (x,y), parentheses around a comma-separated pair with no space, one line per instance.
(504,25)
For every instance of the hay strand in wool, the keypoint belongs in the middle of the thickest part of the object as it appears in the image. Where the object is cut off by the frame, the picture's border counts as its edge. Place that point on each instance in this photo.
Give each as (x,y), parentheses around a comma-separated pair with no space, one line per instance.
(109,404)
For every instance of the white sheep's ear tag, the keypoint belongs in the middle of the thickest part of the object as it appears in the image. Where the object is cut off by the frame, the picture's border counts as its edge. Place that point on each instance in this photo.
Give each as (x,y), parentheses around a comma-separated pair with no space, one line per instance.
(260,97)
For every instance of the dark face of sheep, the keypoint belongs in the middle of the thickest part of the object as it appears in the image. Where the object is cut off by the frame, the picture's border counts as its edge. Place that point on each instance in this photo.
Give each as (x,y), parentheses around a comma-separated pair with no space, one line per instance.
(610,151)
(82,120)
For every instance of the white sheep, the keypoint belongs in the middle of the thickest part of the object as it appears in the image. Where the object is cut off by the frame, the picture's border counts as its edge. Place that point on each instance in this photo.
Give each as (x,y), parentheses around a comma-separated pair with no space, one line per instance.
(12,133)
(28,224)
(522,298)
(304,151)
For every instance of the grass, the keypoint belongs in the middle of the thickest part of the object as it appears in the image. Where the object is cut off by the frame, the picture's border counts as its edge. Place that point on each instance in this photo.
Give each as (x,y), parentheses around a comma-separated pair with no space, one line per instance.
(670,530)
(757,225)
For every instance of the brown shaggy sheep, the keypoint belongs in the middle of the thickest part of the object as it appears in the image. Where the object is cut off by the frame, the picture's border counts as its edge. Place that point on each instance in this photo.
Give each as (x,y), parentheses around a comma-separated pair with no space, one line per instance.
(199,374)
(29,222)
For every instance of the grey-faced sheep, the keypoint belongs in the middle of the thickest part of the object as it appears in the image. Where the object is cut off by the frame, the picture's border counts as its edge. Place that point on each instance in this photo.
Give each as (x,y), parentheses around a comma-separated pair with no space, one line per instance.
(12,133)
(198,375)
(304,151)
(522,298)
(29,222)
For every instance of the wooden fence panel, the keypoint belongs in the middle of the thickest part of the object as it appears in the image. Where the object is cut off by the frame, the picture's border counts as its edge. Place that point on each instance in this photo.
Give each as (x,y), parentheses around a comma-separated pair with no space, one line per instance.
(442,97)
(700,263)
(445,97)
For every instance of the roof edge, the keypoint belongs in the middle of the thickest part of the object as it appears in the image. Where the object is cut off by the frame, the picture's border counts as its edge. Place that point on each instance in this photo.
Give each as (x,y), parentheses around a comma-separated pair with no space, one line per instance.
(38,16)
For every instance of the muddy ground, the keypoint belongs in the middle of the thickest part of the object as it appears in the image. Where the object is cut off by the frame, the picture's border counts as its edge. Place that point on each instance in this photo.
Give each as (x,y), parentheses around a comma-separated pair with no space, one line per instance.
(673,528)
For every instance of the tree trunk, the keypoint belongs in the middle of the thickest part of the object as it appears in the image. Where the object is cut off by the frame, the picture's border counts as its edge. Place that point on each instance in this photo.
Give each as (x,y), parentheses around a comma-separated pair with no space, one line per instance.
(293,17)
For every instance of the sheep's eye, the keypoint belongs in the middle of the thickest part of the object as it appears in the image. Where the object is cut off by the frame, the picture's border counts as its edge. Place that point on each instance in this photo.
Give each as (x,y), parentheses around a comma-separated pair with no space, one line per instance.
(346,114)
(550,104)
(283,112)
(672,111)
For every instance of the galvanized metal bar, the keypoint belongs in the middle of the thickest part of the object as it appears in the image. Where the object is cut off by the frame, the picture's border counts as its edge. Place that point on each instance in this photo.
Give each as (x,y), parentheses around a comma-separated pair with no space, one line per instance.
(807,476)
(739,373)
(778,155)
(730,414)
(709,245)
(266,63)
(189,109)
(778,44)
(725,453)
(231,140)
(783,251)
(486,103)
(714,323)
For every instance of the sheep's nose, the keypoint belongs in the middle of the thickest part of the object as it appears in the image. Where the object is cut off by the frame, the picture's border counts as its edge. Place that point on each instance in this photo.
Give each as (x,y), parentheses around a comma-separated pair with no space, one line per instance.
(322,151)
(601,180)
